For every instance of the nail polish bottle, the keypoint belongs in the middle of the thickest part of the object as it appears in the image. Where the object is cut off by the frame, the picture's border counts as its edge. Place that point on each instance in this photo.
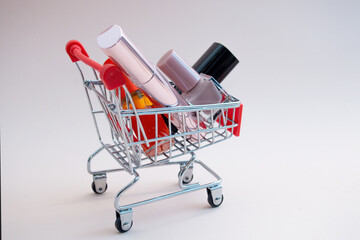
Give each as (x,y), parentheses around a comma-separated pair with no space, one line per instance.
(198,89)
(141,101)
(149,122)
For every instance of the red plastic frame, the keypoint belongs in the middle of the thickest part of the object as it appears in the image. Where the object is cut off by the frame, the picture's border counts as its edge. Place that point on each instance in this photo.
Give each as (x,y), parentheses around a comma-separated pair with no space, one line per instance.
(237,119)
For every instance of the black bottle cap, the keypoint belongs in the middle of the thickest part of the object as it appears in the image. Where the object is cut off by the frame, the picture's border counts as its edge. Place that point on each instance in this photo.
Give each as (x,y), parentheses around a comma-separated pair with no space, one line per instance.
(217,62)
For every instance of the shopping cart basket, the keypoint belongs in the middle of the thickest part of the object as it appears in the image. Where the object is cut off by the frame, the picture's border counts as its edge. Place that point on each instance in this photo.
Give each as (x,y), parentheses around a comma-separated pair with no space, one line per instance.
(127,123)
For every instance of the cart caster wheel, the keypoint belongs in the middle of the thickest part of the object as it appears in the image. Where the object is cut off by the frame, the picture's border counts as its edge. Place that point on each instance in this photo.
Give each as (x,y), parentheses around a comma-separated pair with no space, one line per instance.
(188,175)
(215,196)
(99,184)
(124,222)
(100,190)
(188,179)
(119,226)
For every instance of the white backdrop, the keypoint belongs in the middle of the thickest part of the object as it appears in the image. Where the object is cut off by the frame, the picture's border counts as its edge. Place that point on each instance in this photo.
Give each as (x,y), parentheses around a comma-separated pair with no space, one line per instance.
(293,174)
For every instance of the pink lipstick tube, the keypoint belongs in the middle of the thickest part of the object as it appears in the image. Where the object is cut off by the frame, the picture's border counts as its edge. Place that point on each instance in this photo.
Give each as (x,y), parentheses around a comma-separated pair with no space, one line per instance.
(125,55)
(146,76)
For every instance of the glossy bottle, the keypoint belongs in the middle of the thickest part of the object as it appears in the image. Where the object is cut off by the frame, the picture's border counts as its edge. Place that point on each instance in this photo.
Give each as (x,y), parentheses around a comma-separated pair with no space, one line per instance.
(198,89)
(149,122)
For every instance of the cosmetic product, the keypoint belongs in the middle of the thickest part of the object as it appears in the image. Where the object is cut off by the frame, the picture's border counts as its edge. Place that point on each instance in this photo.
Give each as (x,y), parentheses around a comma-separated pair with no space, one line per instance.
(146,76)
(141,101)
(217,62)
(149,123)
(124,54)
(197,89)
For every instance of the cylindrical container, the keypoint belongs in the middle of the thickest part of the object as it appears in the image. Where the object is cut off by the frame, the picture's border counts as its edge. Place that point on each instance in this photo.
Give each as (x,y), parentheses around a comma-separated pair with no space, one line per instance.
(124,54)
(148,122)
(145,75)
(197,89)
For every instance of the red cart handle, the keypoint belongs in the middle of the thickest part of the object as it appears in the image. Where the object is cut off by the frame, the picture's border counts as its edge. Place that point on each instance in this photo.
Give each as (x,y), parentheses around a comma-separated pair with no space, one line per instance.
(110,74)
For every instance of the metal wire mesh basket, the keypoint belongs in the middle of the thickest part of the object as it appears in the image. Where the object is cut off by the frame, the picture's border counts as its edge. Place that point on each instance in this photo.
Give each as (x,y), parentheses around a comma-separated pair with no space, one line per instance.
(129,130)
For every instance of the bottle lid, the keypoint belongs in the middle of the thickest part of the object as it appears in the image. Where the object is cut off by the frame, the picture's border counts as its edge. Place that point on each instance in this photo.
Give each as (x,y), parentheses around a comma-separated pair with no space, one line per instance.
(217,62)
(181,73)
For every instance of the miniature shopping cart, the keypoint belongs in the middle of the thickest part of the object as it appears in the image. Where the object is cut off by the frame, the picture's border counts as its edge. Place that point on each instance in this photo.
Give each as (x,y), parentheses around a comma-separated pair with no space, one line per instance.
(126,149)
